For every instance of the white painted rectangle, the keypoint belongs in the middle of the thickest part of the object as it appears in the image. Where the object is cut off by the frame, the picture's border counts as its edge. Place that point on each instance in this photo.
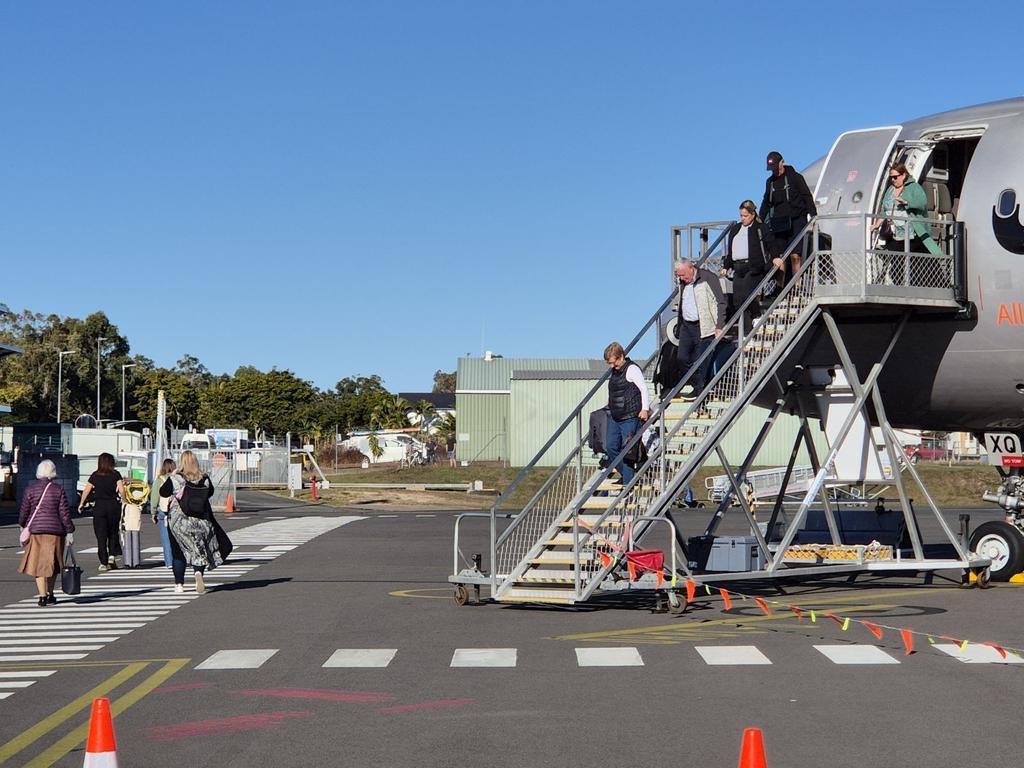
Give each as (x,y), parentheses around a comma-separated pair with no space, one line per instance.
(484,657)
(28,673)
(279,548)
(361,657)
(46,657)
(252,658)
(855,654)
(608,657)
(978,654)
(732,655)
(16,683)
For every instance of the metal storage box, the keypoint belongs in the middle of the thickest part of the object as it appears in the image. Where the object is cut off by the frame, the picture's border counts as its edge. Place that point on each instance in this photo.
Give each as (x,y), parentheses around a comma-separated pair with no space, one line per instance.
(735,553)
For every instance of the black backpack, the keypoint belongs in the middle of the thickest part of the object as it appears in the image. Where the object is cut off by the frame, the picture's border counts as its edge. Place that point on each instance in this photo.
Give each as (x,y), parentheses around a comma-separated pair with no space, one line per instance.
(195,500)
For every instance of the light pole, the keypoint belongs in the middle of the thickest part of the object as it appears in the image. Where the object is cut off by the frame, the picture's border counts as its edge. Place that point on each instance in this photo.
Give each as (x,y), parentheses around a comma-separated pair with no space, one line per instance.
(99,341)
(123,367)
(60,376)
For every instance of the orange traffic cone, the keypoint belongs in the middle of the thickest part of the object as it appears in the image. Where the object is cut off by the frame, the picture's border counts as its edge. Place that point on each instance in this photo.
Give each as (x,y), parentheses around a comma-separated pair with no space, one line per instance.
(100,749)
(230,508)
(752,750)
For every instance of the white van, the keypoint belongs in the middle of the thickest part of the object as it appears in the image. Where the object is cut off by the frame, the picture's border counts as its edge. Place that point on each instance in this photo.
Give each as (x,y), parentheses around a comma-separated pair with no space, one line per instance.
(194,441)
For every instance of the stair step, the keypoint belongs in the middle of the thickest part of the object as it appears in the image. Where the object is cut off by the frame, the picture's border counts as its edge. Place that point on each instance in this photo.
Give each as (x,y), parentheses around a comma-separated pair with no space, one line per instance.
(546,576)
(542,593)
(546,600)
(612,522)
(564,539)
(561,558)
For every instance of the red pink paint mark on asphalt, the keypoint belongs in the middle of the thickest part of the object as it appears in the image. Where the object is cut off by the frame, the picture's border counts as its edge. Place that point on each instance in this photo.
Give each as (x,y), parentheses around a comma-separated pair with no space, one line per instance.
(226,725)
(356,697)
(427,705)
(183,687)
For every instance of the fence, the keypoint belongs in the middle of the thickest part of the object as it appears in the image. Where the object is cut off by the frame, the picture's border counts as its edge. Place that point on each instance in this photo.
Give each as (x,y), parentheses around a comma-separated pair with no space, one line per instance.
(230,470)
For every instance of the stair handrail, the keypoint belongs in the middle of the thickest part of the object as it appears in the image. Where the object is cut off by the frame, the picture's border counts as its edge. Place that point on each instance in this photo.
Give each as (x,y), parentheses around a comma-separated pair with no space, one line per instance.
(655,318)
(666,400)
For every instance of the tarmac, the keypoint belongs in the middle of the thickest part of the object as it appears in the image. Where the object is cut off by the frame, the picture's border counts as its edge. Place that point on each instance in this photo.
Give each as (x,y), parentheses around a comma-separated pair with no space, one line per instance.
(331,638)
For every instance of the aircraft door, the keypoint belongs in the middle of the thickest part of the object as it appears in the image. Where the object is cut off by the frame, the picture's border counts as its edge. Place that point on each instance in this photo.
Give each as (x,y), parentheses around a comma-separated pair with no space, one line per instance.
(850,180)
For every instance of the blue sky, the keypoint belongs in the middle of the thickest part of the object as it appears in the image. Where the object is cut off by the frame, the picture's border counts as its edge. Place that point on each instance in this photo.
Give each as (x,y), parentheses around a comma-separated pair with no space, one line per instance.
(353,188)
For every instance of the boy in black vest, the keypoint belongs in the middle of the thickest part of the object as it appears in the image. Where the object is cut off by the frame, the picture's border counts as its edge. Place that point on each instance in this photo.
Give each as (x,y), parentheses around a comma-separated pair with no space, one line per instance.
(628,402)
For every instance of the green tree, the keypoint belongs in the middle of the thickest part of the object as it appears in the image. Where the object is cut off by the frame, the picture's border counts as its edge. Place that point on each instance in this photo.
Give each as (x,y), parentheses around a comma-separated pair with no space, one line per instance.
(271,402)
(444,382)
(181,395)
(391,412)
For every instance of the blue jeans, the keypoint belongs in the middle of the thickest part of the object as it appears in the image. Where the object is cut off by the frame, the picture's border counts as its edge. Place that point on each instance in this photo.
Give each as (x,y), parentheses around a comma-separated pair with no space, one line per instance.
(618,431)
(165,536)
(179,570)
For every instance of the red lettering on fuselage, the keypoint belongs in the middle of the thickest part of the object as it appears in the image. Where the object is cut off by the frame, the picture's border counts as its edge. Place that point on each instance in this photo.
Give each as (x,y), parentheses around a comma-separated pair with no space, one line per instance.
(1011,314)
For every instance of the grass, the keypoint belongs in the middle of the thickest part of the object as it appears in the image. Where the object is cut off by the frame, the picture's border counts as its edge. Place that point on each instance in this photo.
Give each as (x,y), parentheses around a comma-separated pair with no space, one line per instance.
(951,486)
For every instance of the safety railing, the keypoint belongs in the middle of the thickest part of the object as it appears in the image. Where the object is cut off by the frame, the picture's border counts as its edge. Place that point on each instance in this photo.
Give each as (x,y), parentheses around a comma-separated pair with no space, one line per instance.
(670,463)
(567,481)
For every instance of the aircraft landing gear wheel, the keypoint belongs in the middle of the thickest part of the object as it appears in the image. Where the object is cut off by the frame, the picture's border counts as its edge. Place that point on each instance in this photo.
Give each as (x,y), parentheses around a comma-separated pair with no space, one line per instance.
(461,595)
(1003,544)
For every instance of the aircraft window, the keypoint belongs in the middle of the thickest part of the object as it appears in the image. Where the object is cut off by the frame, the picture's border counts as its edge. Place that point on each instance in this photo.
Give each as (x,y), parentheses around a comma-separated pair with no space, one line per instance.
(1007,202)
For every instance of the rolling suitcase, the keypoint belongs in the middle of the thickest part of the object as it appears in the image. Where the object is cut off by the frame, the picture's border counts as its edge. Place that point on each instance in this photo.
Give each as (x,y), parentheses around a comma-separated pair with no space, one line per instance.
(131,534)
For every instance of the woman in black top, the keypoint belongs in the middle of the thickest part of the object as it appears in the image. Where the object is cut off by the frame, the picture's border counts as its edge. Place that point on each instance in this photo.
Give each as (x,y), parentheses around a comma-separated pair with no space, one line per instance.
(748,253)
(106,488)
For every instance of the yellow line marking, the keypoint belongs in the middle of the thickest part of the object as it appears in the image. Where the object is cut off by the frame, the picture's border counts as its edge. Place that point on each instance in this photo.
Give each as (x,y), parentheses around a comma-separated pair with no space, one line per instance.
(77,664)
(40,729)
(78,736)
(449,591)
(825,602)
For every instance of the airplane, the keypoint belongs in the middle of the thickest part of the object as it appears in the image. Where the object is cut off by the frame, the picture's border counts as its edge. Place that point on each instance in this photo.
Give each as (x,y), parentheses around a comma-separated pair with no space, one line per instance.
(959,371)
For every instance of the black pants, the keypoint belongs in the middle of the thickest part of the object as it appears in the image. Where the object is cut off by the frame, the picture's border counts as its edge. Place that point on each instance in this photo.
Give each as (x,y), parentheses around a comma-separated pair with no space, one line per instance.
(106,523)
(743,284)
(691,346)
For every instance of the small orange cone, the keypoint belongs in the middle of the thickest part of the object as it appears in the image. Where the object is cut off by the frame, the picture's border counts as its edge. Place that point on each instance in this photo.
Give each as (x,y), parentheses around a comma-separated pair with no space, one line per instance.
(752,750)
(100,749)
(230,508)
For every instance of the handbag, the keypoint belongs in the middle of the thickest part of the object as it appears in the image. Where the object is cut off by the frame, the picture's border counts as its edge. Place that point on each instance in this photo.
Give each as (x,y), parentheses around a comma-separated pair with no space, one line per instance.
(71,575)
(26,532)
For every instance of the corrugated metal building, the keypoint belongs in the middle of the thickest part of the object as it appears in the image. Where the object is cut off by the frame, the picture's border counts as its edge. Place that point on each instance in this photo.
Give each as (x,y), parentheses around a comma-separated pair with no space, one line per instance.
(507,408)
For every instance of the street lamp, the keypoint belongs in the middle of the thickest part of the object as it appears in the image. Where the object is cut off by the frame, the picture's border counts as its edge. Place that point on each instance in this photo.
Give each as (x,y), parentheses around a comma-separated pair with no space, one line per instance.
(123,367)
(98,342)
(60,375)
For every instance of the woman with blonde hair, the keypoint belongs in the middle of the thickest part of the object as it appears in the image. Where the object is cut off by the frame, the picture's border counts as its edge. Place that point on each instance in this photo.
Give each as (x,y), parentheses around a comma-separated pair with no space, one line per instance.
(748,253)
(45,514)
(193,535)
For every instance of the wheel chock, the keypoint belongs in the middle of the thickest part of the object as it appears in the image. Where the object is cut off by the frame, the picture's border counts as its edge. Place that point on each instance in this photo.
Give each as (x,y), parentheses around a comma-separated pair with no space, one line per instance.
(1017,578)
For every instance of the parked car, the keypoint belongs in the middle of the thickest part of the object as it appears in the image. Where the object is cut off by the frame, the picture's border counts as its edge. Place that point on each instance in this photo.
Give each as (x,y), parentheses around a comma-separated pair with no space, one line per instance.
(923,452)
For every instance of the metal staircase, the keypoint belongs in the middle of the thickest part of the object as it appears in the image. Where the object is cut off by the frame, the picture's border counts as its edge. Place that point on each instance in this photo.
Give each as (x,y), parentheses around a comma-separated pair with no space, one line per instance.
(572,537)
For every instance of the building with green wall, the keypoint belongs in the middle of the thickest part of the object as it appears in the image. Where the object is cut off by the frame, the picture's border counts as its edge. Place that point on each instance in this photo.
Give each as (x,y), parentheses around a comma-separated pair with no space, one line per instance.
(507,408)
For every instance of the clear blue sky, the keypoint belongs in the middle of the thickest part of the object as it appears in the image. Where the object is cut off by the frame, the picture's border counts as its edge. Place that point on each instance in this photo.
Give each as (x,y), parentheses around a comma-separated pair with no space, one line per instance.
(380,187)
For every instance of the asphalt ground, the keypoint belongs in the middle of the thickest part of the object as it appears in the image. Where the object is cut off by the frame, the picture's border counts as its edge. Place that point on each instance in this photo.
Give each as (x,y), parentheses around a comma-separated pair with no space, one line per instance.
(380,582)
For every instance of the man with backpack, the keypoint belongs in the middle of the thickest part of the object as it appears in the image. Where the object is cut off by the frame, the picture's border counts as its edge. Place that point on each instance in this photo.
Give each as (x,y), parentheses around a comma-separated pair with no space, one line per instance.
(786,207)
(628,404)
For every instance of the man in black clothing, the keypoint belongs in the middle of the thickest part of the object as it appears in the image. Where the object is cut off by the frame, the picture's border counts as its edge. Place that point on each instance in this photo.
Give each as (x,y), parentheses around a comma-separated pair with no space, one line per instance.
(786,207)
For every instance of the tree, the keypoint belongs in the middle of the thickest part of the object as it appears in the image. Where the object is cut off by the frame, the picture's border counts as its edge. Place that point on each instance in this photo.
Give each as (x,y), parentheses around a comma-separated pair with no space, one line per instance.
(359,385)
(29,381)
(444,382)
(181,395)
(271,402)
(391,413)
(426,413)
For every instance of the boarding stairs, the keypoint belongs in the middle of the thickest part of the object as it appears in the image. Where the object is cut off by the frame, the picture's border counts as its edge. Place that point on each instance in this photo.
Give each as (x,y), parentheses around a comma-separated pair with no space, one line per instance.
(572,538)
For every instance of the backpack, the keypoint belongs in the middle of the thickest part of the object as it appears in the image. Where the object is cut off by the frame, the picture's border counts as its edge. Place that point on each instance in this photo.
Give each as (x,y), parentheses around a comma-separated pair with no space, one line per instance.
(195,500)
(598,429)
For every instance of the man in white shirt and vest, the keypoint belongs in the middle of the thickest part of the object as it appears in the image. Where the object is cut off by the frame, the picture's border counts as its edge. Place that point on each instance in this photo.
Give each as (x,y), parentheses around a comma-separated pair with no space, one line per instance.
(629,403)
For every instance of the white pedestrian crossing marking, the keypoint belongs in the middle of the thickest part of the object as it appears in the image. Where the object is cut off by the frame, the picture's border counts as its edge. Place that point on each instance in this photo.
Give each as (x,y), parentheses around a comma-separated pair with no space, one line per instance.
(608,657)
(361,657)
(484,657)
(114,603)
(978,654)
(251,658)
(30,673)
(731,655)
(855,654)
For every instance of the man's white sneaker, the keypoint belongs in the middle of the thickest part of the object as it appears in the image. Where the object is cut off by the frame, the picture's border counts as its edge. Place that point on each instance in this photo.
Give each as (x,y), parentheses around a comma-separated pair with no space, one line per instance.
(179,587)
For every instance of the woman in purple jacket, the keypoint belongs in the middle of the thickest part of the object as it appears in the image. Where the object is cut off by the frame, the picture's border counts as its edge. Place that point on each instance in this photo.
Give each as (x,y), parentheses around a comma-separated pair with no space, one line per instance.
(44,510)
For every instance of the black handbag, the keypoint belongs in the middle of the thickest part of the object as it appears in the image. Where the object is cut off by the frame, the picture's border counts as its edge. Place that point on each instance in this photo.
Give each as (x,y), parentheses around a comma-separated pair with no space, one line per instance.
(71,574)
(777,224)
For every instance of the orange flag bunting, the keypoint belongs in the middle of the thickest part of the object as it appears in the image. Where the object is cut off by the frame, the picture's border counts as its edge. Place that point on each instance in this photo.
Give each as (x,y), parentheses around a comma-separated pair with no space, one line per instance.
(606,559)
(874,629)
(999,650)
(763,605)
(691,590)
(725,598)
(797,611)
(908,640)
(834,618)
